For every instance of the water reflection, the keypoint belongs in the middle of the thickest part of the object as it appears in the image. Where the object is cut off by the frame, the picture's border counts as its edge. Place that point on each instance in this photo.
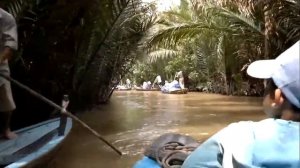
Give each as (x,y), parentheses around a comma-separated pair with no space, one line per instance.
(134,118)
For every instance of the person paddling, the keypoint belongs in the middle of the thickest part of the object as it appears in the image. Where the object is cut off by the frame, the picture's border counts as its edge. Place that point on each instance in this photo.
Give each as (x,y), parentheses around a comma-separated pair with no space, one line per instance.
(8,43)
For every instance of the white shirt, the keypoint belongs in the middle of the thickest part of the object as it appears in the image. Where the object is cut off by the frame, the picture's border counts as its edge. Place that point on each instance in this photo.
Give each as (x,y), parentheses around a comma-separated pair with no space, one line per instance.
(8,38)
(267,143)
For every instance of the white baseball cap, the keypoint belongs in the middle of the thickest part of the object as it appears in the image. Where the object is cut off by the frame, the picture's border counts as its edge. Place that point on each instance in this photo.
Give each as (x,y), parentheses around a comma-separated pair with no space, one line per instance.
(284,70)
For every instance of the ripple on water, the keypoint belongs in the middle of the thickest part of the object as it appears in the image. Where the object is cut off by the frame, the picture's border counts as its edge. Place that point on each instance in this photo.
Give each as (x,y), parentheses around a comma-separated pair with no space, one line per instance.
(132,120)
(133,142)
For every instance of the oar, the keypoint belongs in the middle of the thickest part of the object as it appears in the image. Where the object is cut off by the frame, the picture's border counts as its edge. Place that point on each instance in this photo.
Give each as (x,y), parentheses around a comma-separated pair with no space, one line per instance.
(61,109)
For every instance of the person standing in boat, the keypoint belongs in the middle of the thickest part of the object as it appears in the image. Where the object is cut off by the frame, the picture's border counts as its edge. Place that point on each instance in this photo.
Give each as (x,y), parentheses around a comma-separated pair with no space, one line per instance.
(180,77)
(128,83)
(149,85)
(8,44)
(157,81)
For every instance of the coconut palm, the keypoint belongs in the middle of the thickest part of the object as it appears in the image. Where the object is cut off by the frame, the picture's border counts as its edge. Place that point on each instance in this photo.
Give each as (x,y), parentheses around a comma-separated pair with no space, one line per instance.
(115,53)
(238,32)
(206,23)
(82,47)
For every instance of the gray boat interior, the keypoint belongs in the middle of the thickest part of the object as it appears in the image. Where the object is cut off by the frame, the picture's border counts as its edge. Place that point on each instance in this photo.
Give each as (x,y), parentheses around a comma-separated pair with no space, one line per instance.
(33,142)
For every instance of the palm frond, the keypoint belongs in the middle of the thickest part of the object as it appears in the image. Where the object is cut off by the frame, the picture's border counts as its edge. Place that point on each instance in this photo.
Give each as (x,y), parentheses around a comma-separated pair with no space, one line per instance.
(114,11)
(289,20)
(246,7)
(237,21)
(17,7)
(173,35)
(162,54)
(115,52)
(175,16)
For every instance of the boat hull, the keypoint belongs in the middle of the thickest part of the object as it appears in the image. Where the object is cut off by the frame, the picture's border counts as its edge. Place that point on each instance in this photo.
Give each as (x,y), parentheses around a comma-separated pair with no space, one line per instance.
(146,162)
(154,89)
(181,91)
(33,144)
(124,89)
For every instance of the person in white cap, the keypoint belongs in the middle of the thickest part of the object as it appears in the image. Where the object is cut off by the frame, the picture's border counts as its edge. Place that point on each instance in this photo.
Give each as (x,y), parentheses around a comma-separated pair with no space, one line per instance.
(272,142)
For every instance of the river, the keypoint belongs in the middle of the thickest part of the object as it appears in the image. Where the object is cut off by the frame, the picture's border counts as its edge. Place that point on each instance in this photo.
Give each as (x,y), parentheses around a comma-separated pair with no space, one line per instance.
(133,118)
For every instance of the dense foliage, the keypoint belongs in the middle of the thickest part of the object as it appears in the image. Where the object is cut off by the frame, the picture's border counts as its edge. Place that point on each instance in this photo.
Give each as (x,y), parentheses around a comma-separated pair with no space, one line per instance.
(219,38)
(80,48)
(84,48)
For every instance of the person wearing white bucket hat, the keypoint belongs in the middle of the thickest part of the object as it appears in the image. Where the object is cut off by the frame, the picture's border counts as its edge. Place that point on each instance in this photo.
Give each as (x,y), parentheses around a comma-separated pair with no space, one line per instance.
(272,142)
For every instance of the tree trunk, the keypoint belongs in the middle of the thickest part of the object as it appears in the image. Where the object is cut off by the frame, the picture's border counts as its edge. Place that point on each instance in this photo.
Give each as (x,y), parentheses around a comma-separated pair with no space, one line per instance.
(269,29)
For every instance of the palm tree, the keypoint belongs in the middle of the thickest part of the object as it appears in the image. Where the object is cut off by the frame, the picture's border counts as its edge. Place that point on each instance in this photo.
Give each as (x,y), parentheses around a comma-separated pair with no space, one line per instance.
(239,32)
(279,21)
(206,22)
(115,52)
(82,47)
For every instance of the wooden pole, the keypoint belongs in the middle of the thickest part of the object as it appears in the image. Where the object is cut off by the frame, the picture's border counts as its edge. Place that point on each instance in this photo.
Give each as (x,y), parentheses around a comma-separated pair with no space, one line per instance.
(63,118)
(62,110)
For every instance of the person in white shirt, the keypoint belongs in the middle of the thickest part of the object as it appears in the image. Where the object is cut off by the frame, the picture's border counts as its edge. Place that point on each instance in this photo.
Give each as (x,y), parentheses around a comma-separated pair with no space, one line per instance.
(157,81)
(180,77)
(128,83)
(8,43)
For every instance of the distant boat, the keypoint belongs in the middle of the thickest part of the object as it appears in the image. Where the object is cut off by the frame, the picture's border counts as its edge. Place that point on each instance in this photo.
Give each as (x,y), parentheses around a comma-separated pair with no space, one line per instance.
(152,89)
(34,143)
(177,91)
(174,88)
(122,88)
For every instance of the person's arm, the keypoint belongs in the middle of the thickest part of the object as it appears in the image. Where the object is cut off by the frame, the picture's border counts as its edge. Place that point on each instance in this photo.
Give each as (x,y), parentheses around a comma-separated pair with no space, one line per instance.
(231,145)
(6,54)
(9,36)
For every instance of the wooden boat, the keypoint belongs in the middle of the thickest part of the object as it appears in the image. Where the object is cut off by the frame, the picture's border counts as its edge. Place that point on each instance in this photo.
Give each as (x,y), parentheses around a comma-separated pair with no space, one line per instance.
(152,89)
(34,143)
(179,91)
(122,88)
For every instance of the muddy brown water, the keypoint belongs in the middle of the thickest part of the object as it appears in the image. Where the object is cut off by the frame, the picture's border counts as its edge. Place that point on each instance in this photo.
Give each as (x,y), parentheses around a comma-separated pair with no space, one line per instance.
(134,118)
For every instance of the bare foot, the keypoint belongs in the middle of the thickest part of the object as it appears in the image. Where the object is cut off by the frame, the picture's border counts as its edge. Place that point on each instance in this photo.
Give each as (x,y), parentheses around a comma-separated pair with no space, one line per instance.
(10,135)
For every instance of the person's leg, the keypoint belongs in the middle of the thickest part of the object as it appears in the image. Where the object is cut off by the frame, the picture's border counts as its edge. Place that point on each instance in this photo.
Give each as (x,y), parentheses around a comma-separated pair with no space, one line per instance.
(7,105)
(181,83)
(5,131)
